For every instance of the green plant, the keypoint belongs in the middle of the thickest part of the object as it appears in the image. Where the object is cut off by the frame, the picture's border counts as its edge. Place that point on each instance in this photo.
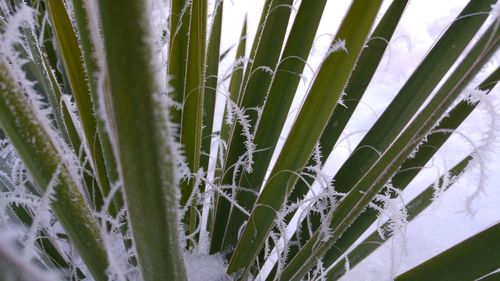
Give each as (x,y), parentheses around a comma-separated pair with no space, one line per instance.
(102,158)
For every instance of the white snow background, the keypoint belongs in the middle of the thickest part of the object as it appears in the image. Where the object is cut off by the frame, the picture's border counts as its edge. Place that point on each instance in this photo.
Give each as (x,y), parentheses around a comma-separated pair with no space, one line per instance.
(446,222)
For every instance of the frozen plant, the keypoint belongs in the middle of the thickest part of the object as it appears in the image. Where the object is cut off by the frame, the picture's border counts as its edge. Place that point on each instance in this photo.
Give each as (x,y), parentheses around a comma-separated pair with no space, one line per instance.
(133,148)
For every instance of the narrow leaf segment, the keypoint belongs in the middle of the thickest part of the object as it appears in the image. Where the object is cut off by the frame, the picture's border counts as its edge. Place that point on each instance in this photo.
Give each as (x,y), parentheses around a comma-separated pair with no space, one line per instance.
(143,133)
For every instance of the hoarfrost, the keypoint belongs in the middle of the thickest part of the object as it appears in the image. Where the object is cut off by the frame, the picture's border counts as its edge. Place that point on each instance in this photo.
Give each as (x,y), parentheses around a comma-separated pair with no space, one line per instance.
(337,45)
(396,224)
(245,160)
(42,214)
(24,17)
(488,143)
(14,266)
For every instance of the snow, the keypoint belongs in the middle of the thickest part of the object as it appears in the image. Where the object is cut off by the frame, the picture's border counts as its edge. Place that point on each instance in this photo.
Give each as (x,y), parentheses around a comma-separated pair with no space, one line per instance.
(201,266)
(14,266)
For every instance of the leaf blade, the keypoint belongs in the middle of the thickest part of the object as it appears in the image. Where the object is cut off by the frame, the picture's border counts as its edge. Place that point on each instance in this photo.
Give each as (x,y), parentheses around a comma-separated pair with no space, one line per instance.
(146,164)
(43,157)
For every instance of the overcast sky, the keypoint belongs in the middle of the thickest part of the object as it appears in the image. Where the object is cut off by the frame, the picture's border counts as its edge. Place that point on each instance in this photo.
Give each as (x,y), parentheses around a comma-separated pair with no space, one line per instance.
(446,222)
